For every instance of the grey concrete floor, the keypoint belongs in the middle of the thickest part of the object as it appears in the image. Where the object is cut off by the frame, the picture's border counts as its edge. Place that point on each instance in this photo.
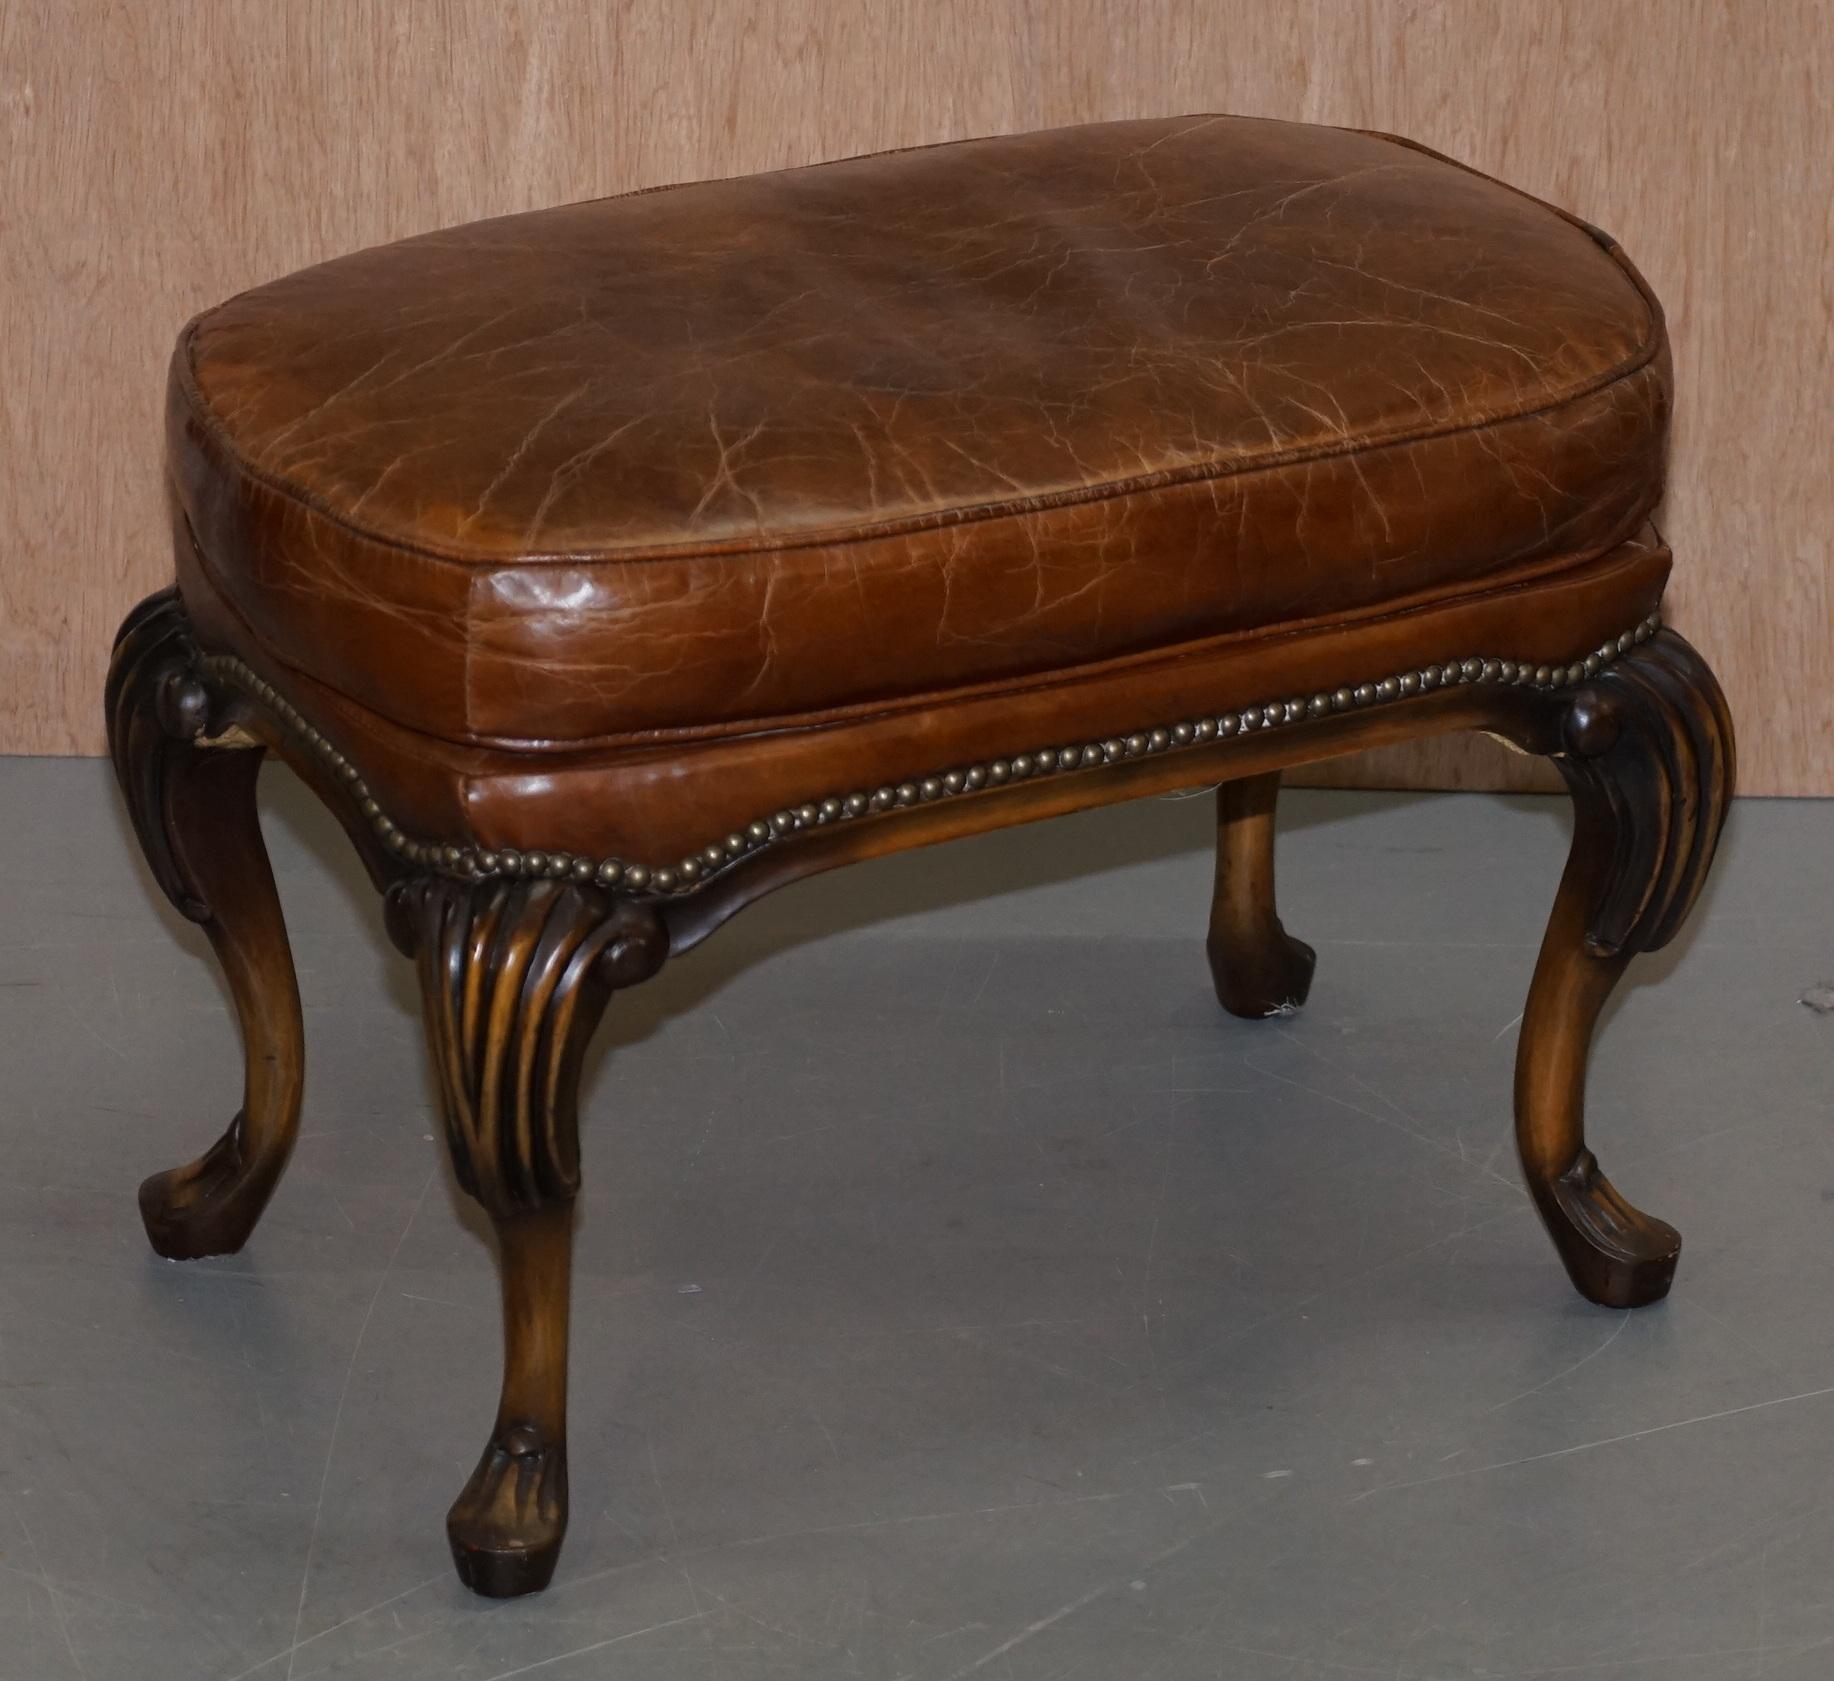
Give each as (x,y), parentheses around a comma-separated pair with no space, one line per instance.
(959,1292)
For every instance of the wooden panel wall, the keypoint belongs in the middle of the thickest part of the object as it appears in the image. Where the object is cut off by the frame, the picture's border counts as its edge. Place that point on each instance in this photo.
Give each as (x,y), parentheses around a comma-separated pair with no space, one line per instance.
(160,154)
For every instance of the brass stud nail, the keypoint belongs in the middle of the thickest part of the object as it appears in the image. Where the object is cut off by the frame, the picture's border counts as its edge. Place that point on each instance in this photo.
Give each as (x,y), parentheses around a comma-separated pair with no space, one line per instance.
(972,777)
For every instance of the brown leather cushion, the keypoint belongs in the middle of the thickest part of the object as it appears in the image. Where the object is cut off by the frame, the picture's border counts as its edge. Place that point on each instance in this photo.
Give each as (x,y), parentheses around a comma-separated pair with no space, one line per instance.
(974,414)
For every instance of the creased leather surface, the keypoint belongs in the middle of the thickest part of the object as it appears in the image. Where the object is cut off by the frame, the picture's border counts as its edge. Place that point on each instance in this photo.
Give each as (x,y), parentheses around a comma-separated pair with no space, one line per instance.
(795,445)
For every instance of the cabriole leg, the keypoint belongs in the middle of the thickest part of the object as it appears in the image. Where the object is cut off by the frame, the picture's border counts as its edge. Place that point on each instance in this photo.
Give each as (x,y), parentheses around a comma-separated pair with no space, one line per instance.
(1259,968)
(1647,750)
(189,781)
(514,977)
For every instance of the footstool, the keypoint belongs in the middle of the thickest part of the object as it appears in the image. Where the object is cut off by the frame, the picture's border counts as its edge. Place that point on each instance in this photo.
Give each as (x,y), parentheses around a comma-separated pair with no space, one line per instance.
(606,567)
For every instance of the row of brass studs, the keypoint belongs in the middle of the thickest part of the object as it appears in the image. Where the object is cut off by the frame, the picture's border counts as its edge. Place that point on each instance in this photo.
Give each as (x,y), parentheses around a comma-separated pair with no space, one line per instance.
(683,877)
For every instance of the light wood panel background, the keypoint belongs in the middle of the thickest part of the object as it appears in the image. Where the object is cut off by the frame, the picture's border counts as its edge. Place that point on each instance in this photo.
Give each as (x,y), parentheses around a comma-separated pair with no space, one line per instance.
(160,155)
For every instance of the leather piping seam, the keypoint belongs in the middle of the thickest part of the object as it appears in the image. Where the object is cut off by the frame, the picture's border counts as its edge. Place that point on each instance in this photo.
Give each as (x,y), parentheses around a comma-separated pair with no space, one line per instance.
(974,513)
(638,880)
(1017,684)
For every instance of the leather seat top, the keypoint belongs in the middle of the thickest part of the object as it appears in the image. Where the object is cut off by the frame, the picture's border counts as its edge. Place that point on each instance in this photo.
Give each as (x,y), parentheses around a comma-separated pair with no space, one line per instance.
(800,444)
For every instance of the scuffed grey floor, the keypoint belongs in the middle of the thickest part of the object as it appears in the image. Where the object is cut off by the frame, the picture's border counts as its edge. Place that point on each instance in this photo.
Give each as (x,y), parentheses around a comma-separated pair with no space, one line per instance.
(959,1292)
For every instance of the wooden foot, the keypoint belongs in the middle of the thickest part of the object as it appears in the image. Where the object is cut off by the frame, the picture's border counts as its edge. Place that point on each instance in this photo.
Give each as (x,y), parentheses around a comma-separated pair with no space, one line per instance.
(1647,750)
(1260,969)
(189,781)
(507,1524)
(514,977)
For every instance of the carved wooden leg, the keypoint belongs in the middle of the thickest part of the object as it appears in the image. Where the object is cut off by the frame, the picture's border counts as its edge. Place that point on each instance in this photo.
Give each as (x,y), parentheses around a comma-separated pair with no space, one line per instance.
(1647,750)
(1259,968)
(189,780)
(514,976)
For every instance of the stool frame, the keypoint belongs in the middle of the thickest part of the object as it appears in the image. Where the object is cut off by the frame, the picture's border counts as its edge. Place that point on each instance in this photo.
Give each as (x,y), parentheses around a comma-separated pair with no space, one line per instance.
(519,953)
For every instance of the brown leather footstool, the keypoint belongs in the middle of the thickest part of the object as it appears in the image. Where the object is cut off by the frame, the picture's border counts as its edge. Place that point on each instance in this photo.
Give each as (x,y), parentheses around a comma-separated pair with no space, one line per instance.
(607,567)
